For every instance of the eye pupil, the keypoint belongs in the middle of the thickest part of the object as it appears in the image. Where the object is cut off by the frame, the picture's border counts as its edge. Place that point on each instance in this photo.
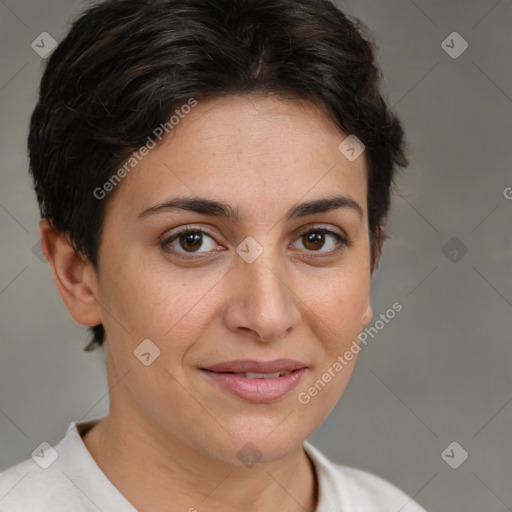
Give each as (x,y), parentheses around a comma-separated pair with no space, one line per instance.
(315,240)
(192,240)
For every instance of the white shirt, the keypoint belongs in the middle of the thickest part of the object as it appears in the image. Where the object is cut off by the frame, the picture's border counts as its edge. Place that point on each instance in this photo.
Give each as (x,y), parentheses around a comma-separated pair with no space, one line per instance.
(73,481)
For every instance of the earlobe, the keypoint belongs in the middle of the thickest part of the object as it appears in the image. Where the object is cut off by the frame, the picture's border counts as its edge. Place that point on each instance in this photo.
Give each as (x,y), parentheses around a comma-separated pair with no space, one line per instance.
(74,277)
(367,315)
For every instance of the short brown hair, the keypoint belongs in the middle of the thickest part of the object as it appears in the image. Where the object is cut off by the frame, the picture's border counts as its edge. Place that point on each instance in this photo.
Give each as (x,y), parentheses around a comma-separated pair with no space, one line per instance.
(126,65)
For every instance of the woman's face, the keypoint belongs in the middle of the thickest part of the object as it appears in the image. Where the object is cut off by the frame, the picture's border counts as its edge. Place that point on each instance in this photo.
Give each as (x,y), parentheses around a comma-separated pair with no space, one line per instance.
(276,280)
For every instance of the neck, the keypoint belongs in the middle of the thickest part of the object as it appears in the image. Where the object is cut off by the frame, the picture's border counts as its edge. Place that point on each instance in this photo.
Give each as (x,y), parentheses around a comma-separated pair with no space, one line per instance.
(152,469)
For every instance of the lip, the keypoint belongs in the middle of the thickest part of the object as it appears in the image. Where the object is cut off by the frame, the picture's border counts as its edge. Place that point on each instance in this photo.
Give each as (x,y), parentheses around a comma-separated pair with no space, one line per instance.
(257,390)
(247,365)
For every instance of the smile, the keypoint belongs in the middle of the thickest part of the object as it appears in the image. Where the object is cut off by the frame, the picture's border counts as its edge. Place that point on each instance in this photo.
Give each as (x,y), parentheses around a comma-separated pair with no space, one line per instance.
(250,375)
(257,382)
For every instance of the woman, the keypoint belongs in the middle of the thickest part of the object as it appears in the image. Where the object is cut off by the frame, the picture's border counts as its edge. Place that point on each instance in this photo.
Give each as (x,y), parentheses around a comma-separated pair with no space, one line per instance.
(213,178)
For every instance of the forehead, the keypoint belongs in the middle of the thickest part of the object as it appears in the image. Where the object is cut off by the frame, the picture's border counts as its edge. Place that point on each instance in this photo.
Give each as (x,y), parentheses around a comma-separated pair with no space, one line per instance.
(238,148)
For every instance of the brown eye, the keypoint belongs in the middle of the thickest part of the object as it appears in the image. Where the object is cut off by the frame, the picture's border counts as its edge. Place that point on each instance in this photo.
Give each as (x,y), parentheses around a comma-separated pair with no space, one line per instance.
(189,241)
(313,241)
(323,240)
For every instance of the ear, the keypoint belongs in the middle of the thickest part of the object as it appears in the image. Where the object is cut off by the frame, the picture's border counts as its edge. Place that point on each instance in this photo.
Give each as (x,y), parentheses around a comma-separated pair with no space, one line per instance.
(367,315)
(75,277)
(380,236)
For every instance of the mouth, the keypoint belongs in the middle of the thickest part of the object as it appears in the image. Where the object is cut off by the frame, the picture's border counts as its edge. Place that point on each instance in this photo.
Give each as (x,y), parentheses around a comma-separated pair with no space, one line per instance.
(257,382)
(256,367)
(256,375)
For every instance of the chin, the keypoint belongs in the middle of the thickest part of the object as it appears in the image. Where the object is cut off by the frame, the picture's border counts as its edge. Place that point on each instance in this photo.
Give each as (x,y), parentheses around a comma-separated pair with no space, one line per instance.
(261,440)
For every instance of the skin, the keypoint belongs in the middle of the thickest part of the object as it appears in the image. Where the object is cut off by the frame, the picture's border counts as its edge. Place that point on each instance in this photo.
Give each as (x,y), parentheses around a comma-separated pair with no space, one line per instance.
(172,435)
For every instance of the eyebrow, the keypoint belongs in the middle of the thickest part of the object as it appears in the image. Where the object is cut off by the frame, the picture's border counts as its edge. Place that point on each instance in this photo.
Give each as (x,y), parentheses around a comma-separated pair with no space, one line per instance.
(223,210)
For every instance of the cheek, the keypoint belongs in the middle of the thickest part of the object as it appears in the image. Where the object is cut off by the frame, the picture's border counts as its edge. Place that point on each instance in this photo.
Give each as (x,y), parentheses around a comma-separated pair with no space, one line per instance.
(156,302)
(338,312)
(341,301)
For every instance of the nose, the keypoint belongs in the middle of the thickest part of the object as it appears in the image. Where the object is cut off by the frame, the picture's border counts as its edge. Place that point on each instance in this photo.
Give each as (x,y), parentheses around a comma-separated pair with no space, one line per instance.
(262,299)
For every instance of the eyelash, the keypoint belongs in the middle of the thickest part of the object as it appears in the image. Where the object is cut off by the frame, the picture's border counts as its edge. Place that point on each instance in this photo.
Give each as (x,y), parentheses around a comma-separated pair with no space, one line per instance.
(342,242)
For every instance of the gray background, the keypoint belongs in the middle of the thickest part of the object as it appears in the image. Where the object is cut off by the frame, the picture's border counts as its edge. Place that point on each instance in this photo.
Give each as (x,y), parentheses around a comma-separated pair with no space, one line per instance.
(439,372)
